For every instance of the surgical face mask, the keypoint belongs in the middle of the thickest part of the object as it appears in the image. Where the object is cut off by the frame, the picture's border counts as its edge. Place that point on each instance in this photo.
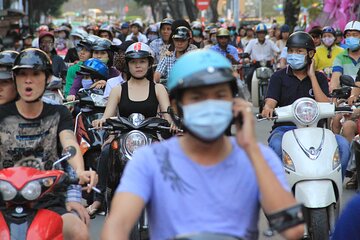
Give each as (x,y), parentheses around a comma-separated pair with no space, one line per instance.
(105,60)
(232,32)
(62,35)
(213,39)
(296,61)
(47,47)
(328,41)
(152,37)
(86,83)
(352,43)
(208,120)
(196,33)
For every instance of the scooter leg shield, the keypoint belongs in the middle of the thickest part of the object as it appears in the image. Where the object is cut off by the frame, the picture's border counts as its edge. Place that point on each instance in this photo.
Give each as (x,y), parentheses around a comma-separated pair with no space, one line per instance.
(315,193)
(254,90)
(47,225)
(4,230)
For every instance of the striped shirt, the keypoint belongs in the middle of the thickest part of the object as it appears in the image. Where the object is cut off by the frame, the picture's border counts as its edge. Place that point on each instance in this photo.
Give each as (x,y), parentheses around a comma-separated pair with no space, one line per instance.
(346,65)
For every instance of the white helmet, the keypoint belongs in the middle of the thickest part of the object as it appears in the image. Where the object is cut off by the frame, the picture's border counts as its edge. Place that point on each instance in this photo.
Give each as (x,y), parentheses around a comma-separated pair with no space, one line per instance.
(81,33)
(139,50)
(138,23)
(352,26)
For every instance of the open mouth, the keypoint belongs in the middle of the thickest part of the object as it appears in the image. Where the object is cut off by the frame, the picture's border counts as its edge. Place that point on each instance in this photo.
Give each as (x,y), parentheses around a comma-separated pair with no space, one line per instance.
(28,91)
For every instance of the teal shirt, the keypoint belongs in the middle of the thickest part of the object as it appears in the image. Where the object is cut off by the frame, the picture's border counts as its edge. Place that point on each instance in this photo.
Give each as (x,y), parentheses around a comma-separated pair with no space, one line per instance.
(70,76)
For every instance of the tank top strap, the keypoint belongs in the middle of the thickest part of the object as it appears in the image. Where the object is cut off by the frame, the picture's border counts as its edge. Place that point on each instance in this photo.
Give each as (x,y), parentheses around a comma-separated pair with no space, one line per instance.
(152,92)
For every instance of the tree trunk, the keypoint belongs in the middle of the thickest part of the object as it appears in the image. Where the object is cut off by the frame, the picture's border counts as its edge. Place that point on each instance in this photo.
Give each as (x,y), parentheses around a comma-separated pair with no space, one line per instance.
(213,7)
(191,10)
(291,12)
(153,12)
(175,9)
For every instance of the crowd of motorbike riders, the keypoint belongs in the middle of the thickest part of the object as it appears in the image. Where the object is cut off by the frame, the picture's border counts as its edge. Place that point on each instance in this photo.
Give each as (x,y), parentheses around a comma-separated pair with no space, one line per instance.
(126,66)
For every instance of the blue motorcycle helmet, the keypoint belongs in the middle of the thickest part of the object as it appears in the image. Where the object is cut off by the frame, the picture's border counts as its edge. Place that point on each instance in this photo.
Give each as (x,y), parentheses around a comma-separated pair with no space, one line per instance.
(95,68)
(200,68)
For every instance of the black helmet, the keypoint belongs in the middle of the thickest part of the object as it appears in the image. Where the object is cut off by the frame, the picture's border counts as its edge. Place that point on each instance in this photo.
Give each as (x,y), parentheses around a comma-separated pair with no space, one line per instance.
(7,59)
(85,43)
(166,21)
(181,33)
(300,40)
(102,44)
(33,58)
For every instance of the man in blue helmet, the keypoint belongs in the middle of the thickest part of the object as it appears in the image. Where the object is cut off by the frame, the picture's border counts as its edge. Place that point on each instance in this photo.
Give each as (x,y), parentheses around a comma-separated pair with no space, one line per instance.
(203,181)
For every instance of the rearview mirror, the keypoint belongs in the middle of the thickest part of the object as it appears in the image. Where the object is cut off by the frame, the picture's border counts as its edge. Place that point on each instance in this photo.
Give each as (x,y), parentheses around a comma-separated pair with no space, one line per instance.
(347,81)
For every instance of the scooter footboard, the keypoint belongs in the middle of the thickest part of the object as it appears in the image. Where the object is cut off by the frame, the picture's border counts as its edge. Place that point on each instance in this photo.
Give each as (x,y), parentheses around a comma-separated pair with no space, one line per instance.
(315,193)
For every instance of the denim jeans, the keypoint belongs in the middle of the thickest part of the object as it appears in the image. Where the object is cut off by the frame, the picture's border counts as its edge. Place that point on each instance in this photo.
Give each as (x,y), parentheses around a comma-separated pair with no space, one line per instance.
(277,134)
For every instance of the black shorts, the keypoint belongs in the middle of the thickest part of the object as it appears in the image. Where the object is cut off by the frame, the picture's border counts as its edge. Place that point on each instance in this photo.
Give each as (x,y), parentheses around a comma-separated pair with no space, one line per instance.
(55,203)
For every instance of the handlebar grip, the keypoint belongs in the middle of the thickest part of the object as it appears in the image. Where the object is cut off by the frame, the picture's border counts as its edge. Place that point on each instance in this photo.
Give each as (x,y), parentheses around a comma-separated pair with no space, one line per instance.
(73,181)
(259,116)
(343,109)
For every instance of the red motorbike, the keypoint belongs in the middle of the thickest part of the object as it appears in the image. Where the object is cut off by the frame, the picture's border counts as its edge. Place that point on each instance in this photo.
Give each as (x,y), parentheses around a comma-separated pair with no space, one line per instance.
(21,187)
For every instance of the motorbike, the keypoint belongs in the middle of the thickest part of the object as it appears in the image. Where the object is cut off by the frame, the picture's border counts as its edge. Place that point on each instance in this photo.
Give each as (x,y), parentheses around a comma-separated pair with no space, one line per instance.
(130,134)
(92,106)
(260,83)
(21,187)
(355,145)
(52,94)
(312,164)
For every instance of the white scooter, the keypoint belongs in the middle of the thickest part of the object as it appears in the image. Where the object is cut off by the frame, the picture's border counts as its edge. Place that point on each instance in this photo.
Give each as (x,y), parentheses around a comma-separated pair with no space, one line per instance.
(312,163)
(259,84)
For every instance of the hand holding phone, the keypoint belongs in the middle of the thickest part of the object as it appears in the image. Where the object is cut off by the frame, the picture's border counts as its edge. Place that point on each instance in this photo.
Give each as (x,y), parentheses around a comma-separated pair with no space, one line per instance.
(244,120)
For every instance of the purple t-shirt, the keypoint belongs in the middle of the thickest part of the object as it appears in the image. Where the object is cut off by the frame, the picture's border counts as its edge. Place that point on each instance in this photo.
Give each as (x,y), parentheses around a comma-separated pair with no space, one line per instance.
(184,197)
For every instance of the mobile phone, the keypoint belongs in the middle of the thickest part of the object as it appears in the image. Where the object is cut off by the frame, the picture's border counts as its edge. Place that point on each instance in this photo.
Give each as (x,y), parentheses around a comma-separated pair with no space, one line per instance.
(239,119)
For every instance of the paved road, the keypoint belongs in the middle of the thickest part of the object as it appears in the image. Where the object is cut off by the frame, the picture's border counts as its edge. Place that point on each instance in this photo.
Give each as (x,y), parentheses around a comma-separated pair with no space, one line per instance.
(262,130)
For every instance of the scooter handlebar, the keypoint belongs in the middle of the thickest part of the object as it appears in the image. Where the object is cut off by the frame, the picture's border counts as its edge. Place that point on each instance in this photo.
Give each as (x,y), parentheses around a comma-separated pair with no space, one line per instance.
(260,118)
(346,109)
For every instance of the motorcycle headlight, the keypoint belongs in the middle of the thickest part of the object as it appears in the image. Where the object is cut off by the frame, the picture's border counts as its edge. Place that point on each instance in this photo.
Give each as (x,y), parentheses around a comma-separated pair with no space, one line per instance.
(287,161)
(7,190)
(336,159)
(99,100)
(306,111)
(31,191)
(134,140)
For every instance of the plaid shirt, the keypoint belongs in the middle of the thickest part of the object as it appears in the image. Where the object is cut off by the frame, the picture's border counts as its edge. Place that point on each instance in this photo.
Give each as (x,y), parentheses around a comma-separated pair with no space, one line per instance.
(166,65)
(73,193)
(158,47)
(168,62)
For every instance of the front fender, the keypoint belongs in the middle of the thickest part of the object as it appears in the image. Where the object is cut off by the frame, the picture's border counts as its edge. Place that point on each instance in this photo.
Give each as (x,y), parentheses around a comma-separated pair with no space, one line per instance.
(315,193)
